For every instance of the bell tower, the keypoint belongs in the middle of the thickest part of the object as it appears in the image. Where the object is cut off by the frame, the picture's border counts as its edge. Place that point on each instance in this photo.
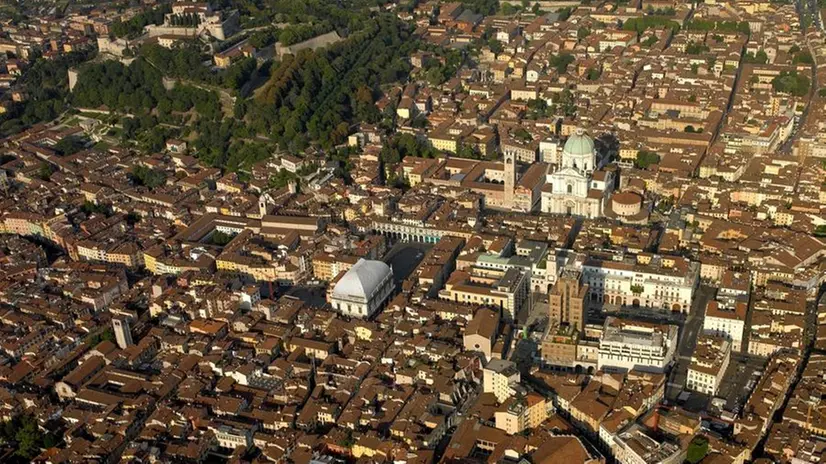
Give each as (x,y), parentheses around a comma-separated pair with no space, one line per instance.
(510,180)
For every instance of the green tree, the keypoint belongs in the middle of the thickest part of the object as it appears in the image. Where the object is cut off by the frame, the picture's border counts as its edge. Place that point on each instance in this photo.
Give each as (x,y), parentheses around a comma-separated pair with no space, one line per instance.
(134,26)
(46,83)
(694,48)
(348,441)
(792,83)
(281,179)
(484,7)
(405,145)
(309,95)
(70,145)
(593,74)
(650,22)
(45,171)
(538,108)
(760,57)
(523,134)
(147,177)
(29,438)
(240,72)
(263,38)
(296,33)
(646,158)
(722,26)
(469,151)
(24,432)
(133,218)
(804,57)
(495,46)
(561,62)
(697,450)
(508,10)
(108,335)
(220,238)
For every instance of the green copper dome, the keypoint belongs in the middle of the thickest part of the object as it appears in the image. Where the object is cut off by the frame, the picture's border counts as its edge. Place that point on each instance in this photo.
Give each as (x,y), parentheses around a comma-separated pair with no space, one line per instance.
(579,143)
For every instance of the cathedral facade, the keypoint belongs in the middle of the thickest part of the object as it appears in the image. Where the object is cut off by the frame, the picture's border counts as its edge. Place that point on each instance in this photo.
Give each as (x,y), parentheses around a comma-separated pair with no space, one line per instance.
(578,187)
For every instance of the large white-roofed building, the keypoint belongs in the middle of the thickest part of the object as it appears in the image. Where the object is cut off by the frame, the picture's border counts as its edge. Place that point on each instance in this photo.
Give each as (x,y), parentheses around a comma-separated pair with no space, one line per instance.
(363,289)
(632,345)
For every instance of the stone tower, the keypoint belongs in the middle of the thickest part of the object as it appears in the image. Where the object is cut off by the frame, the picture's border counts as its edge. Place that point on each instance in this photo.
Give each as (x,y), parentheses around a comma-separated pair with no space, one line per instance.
(264,202)
(123,333)
(566,302)
(510,181)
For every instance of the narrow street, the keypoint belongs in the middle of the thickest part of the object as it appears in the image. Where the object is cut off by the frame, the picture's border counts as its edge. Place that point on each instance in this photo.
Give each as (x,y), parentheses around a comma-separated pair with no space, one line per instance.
(689,332)
(811,7)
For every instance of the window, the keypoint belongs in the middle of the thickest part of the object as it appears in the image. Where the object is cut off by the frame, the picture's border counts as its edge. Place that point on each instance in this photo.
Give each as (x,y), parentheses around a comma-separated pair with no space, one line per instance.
(570,188)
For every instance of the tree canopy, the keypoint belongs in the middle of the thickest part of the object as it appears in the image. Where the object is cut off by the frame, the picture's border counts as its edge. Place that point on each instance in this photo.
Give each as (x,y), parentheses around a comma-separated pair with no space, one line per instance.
(722,26)
(760,57)
(134,26)
(792,83)
(147,177)
(695,48)
(24,432)
(804,57)
(313,96)
(138,89)
(561,62)
(650,22)
(646,158)
(296,33)
(397,148)
(47,84)
(697,450)
(70,145)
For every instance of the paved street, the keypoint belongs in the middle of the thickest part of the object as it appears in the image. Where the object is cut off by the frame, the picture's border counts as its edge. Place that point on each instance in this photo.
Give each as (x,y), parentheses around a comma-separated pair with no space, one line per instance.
(688,341)
(535,316)
(740,379)
(404,257)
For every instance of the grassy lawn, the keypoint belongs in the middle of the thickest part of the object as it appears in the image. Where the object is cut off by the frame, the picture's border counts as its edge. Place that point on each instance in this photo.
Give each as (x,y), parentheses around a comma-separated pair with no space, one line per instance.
(71,122)
(97,116)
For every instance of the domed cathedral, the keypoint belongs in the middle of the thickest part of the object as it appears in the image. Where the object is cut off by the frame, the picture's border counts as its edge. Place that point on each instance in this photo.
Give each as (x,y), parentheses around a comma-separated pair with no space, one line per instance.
(578,186)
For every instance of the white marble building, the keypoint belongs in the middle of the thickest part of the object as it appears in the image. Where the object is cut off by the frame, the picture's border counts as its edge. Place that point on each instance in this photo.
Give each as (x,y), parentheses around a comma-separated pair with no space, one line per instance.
(578,187)
(363,289)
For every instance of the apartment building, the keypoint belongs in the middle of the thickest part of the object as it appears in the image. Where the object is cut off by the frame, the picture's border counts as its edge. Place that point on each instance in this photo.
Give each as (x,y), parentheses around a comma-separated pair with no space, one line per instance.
(708,364)
(520,414)
(630,345)
(728,322)
(501,377)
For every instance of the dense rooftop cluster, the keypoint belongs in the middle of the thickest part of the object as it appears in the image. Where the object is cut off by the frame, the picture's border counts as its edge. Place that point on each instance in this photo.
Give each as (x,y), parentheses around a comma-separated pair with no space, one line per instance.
(419,231)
